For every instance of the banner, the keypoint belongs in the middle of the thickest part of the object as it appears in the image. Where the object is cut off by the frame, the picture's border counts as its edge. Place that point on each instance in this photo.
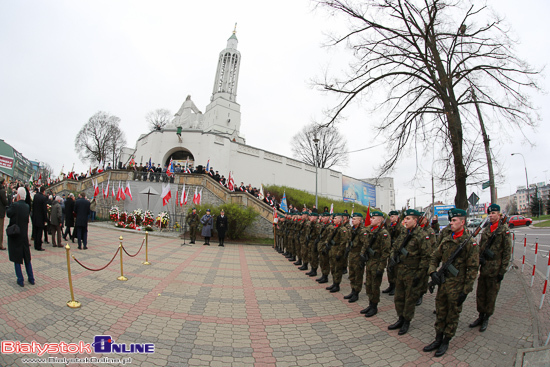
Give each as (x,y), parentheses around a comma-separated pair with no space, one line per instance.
(358,191)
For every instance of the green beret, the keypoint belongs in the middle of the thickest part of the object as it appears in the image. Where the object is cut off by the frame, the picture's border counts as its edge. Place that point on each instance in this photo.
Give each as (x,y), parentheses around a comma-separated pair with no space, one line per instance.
(344,214)
(412,212)
(394,212)
(334,215)
(493,208)
(314,215)
(376,213)
(455,212)
(357,215)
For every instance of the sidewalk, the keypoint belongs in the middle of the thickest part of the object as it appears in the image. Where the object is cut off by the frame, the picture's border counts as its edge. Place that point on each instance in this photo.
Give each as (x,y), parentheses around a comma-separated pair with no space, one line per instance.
(238,305)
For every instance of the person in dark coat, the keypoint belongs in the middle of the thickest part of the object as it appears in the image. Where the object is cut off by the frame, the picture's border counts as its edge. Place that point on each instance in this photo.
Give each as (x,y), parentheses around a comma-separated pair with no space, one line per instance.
(69,217)
(3,206)
(207,221)
(55,221)
(18,245)
(82,210)
(39,217)
(221,227)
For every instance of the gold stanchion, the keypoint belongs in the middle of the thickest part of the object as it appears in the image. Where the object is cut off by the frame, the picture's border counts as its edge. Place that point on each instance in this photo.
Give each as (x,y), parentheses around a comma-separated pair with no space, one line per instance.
(146,262)
(121,277)
(72,303)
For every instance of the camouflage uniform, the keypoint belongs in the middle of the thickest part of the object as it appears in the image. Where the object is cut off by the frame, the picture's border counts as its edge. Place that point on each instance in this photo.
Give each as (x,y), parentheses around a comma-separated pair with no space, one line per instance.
(488,283)
(321,248)
(337,251)
(306,228)
(395,231)
(299,238)
(430,235)
(377,255)
(446,302)
(313,255)
(354,259)
(193,223)
(409,271)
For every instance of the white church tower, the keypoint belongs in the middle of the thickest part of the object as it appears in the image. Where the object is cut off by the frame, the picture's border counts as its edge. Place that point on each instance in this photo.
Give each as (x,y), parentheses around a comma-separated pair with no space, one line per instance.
(223,114)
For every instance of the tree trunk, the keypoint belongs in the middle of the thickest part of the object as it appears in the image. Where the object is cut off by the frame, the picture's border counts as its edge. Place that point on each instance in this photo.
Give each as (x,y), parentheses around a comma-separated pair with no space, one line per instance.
(455,129)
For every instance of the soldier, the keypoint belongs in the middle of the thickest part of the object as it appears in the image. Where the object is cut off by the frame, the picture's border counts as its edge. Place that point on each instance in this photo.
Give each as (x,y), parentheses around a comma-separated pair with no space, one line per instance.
(279,231)
(347,224)
(376,250)
(354,257)
(429,232)
(304,240)
(495,251)
(291,232)
(193,222)
(452,293)
(435,224)
(313,233)
(394,230)
(326,233)
(411,256)
(337,247)
(299,237)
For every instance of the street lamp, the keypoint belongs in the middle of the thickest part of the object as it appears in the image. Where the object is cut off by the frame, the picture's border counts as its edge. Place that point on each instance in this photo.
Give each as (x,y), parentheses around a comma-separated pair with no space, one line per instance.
(527,180)
(316,141)
(421,187)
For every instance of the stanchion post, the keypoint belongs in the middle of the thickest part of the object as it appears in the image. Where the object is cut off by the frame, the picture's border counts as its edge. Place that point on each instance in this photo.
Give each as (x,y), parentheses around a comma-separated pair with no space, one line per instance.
(545,282)
(524,252)
(274,236)
(535,264)
(72,303)
(121,277)
(146,262)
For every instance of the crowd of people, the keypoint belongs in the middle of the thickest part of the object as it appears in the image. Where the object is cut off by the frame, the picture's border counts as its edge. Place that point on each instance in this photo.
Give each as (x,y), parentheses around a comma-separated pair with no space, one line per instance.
(415,259)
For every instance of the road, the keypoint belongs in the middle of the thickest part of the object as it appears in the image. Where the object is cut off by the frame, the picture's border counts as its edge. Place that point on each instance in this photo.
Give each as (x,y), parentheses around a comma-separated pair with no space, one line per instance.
(533,235)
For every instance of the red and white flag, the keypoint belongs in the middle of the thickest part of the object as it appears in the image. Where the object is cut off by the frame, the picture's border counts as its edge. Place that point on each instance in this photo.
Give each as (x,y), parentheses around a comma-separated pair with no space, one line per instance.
(230,183)
(96,188)
(170,169)
(113,191)
(106,192)
(166,194)
(186,197)
(100,167)
(102,190)
(128,191)
(183,198)
(200,198)
(331,208)
(195,197)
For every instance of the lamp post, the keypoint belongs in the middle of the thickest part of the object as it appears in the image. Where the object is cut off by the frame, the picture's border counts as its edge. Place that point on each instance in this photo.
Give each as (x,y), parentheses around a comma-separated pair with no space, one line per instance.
(421,187)
(316,141)
(526,180)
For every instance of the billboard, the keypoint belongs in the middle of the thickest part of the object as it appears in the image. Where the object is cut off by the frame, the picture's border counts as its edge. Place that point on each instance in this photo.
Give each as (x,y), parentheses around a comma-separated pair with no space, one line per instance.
(358,191)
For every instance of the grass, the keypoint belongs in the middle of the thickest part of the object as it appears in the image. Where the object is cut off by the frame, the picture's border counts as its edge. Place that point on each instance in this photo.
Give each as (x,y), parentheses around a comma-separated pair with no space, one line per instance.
(542,217)
(546,223)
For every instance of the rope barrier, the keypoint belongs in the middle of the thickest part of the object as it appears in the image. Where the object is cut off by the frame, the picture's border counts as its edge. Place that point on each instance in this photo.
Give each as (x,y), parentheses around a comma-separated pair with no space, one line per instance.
(136,252)
(87,268)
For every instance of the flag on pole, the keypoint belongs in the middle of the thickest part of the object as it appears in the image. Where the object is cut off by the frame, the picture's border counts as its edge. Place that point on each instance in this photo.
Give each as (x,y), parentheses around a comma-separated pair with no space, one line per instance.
(195,197)
(200,197)
(113,191)
(230,183)
(183,198)
(208,166)
(89,173)
(186,197)
(61,173)
(128,191)
(261,194)
(170,169)
(96,188)
(40,179)
(100,167)
(284,206)
(331,208)
(166,194)
(367,218)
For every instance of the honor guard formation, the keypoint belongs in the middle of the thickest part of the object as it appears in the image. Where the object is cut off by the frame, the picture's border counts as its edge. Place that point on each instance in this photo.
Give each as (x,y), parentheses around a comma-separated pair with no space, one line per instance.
(415,259)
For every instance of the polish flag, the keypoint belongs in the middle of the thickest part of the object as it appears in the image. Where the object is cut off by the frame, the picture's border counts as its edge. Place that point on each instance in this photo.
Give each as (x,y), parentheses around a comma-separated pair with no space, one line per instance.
(367,218)
(102,190)
(128,192)
(183,198)
(100,167)
(170,169)
(106,192)
(166,194)
(186,197)
(113,194)
(121,191)
(96,188)
(195,197)
(200,198)
(331,208)
(230,183)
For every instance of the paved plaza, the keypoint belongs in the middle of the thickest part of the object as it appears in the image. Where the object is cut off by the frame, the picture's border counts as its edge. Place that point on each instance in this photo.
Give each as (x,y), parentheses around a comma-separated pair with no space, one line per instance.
(240,305)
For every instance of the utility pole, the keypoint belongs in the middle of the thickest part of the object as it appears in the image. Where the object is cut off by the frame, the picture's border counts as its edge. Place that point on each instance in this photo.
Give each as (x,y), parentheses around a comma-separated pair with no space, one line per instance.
(486,141)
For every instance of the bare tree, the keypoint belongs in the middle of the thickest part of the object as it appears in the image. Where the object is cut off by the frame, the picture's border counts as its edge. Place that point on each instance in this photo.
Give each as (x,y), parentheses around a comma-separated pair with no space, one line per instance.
(331,149)
(418,61)
(158,118)
(100,139)
(45,170)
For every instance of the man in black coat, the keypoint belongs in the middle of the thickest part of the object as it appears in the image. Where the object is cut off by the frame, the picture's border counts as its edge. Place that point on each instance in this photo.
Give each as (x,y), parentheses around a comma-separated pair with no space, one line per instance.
(82,210)
(3,206)
(39,217)
(221,227)
(18,245)
(69,217)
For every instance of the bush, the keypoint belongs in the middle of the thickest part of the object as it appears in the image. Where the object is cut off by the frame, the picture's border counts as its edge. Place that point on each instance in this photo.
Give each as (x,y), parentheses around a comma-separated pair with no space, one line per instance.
(238,217)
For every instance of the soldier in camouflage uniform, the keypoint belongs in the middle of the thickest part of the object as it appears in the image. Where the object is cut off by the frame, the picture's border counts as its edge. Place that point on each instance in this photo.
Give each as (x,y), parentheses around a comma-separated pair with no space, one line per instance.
(394,230)
(326,233)
(429,232)
(354,257)
(346,222)
(452,293)
(410,270)
(291,238)
(313,255)
(304,238)
(193,223)
(337,249)
(299,237)
(280,234)
(494,261)
(376,250)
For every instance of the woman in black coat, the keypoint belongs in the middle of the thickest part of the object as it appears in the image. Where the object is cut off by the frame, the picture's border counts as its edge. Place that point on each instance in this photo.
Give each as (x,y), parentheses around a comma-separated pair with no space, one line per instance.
(18,245)
(221,227)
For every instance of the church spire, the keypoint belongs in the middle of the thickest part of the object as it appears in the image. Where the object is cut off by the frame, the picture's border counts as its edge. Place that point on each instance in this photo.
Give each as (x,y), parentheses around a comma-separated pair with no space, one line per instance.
(227,74)
(232,41)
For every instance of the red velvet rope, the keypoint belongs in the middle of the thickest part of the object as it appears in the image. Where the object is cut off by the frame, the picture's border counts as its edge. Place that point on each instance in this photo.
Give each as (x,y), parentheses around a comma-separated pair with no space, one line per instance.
(136,252)
(87,268)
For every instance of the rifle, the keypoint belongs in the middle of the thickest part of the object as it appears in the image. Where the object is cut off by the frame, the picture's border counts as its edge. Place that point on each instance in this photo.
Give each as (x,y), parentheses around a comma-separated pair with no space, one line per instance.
(438,278)
(402,251)
(330,242)
(348,247)
(488,254)
(370,252)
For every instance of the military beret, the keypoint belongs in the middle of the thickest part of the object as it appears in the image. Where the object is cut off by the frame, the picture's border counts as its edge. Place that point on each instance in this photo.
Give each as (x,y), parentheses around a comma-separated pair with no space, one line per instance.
(194,208)
(344,214)
(326,214)
(314,215)
(394,212)
(413,212)
(376,213)
(336,215)
(357,215)
(493,208)
(455,212)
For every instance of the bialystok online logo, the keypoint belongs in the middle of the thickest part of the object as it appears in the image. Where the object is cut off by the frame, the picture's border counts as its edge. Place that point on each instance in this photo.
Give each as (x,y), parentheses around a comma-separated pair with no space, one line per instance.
(101,344)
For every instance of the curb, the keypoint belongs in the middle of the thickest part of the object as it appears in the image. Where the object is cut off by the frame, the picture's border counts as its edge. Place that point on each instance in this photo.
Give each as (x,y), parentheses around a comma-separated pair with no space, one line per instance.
(533,357)
(534,315)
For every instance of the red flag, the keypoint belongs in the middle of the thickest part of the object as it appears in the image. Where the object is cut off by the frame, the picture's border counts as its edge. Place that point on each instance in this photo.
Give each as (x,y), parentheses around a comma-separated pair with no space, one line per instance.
(195,197)
(367,219)
(170,169)
(200,198)
(183,198)
(113,191)
(231,183)
(128,191)
(186,197)
(96,188)
(106,193)
(166,194)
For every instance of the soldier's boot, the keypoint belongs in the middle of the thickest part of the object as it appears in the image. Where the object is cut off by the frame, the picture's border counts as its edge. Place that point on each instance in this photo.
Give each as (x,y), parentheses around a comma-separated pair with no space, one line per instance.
(312,272)
(435,344)
(398,324)
(443,347)
(404,328)
(354,297)
(366,310)
(293,258)
(419,301)
(303,267)
(373,310)
(478,321)
(392,292)
(336,288)
(299,262)
(484,324)
(349,295)
(330,287)
(345,271)
(323,279)
(390,288)
(287,255)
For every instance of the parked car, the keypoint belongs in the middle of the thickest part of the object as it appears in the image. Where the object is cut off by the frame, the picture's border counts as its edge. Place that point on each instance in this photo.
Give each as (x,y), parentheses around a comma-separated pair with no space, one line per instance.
(474,222)
(519,220)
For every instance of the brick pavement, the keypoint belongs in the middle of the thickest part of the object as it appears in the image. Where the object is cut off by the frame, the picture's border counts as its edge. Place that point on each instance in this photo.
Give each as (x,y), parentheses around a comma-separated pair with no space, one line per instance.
(238,305)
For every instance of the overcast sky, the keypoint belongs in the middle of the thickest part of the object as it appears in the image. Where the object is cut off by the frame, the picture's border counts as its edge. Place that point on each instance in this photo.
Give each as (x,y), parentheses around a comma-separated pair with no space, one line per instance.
(62,61)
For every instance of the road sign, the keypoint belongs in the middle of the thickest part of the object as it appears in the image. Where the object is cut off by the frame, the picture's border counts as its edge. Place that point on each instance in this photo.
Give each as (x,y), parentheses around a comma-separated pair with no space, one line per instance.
(473,199)
(486,185)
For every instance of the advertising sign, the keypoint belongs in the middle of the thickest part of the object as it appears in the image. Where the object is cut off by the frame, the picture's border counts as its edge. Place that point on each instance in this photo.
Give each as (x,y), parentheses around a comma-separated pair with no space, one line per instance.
(358,191)
(6,162)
